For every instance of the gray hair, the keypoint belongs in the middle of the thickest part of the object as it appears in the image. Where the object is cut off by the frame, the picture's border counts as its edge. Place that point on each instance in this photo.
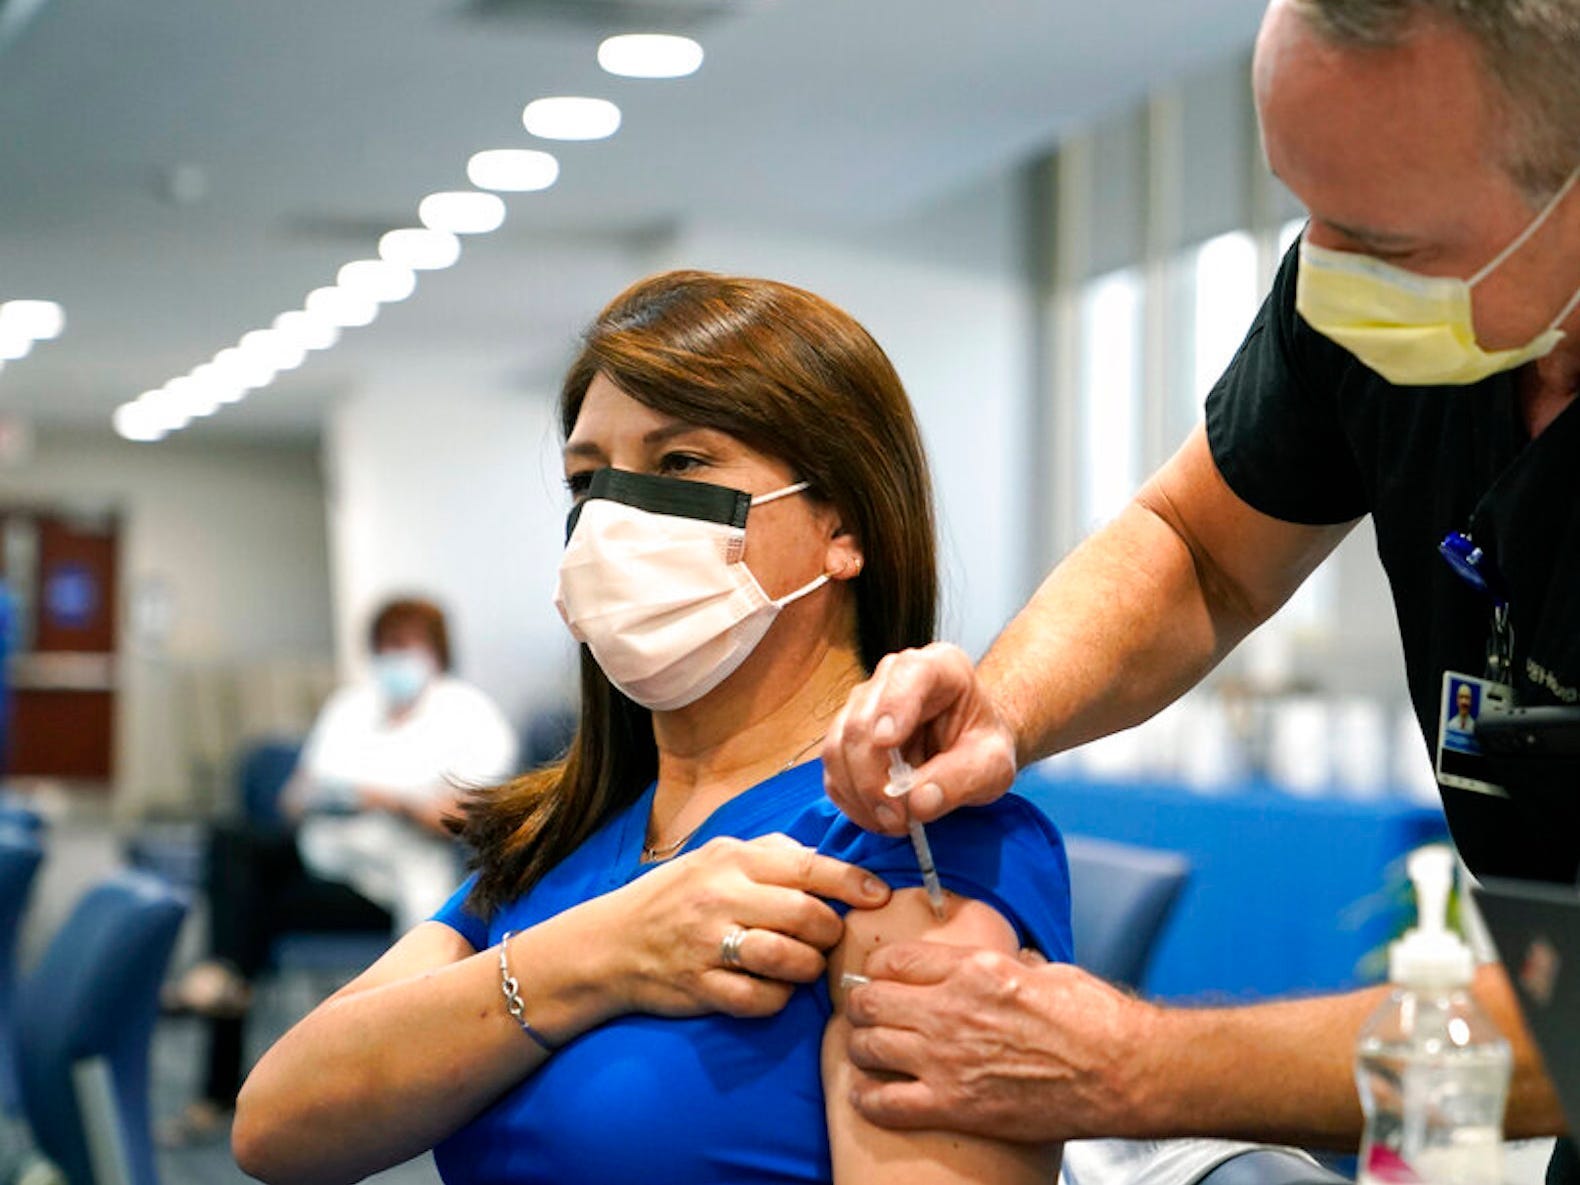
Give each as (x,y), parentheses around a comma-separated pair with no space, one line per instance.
(1531,49)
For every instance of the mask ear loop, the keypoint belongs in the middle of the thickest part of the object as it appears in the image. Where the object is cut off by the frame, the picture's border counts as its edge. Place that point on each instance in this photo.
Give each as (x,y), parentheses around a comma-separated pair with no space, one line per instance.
(1525,236)
(775,495)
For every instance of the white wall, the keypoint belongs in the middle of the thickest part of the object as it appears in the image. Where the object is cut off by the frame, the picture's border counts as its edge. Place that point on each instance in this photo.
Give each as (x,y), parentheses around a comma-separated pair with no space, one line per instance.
(229,538)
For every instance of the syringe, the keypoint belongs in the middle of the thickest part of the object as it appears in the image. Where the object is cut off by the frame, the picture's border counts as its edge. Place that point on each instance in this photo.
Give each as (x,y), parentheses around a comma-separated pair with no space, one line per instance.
(901,779)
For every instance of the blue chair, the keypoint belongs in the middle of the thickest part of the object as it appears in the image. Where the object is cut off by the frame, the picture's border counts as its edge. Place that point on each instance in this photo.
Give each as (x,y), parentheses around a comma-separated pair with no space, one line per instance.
(20,855)
(15,811)
(262,773)
(1271,1166)
(84,1020)
(1120,896)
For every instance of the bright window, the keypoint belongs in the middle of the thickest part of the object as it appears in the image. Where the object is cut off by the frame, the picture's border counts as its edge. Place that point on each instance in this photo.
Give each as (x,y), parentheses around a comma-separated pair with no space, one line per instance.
(1110,395)
(1225,304)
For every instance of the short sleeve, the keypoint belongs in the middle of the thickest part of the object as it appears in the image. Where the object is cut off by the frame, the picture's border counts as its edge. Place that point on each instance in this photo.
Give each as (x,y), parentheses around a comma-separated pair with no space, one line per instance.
(1273,420)
(1008,855)
(456,914)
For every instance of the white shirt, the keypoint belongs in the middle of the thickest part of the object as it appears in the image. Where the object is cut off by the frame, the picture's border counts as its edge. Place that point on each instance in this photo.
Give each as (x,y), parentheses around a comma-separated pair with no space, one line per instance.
(452,738)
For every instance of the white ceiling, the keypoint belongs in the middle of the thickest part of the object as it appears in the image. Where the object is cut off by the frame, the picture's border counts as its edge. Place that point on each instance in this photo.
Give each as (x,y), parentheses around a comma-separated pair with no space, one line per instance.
(320,123)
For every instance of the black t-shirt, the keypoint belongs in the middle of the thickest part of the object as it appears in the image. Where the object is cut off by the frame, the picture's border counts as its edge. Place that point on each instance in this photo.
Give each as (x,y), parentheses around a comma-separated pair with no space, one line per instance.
(1304,432)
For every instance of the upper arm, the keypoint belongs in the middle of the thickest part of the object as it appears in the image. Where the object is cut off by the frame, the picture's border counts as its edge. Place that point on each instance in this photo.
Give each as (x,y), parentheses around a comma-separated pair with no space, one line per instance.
(865,1152)
(1248,563)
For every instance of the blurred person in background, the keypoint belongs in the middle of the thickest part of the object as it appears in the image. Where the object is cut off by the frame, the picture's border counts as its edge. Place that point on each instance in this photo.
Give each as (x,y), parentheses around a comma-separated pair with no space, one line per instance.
(643,980)
(384,765)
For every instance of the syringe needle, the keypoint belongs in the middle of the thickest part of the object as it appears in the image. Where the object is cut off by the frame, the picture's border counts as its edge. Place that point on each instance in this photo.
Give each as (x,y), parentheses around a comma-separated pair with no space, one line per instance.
(901,778)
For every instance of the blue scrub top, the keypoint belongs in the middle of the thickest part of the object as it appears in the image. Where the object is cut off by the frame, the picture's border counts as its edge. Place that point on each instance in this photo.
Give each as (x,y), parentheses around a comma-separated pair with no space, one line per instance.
(715,1098)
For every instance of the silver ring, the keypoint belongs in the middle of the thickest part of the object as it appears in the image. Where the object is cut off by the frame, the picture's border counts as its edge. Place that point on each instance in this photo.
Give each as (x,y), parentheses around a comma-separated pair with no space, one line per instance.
(730,946)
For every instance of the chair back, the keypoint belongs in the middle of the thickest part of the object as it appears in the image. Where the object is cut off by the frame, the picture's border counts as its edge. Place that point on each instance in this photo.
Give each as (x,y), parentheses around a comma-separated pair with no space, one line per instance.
(262,773)
(21,852)
(1120,896)
(1272,1166)
(85,1017)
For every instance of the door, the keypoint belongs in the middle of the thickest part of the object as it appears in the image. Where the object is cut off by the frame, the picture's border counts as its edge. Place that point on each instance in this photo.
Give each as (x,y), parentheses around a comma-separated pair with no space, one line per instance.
(62,568)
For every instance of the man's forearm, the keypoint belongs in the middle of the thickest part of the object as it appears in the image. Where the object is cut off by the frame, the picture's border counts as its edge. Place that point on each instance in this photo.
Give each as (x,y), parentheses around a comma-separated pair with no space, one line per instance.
(1121,628)
(1285,1071)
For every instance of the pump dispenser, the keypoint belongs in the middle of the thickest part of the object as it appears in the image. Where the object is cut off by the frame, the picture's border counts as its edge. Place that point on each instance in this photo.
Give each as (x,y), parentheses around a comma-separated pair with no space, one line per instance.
(1432,1070)
(1431,955)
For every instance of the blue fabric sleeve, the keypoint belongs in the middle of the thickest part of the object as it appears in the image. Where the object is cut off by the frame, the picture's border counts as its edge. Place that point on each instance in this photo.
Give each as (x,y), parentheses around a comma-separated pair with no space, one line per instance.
(455,914)
(1008,855)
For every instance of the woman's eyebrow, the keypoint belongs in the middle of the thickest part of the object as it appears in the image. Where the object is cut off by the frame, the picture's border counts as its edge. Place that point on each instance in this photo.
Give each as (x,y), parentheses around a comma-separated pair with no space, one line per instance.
(584,448)
(670,431)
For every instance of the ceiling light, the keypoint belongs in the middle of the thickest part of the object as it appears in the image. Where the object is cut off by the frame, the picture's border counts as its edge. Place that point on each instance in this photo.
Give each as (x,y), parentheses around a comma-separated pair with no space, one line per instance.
(337,306)
(190,396)
(650,55)
(14,343)
(218,382)
(242,370)
(273,348)
(163,410)
(137,421)
(378,280)
(306,330)
(419,249)
(462,213)
(510,170)
(40,320)
(569,118)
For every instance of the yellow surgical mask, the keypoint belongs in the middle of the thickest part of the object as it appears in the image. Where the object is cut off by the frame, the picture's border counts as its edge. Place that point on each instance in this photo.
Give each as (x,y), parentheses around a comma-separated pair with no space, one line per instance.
(1414,330)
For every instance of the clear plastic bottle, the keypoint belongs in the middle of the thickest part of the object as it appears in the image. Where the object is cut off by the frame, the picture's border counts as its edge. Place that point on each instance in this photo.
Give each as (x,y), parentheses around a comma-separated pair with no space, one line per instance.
(1432,1070)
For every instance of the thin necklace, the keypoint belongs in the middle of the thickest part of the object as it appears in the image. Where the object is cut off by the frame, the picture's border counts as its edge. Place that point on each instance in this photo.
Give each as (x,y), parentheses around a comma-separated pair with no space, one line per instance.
(659,851)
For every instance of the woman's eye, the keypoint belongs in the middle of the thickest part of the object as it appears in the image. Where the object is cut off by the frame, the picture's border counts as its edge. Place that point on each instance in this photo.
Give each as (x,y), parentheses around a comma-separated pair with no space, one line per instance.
(677,463)
(577,484)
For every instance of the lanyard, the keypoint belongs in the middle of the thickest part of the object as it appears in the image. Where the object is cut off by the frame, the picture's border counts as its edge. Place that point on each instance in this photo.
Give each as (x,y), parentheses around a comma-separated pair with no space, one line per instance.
(1477,569)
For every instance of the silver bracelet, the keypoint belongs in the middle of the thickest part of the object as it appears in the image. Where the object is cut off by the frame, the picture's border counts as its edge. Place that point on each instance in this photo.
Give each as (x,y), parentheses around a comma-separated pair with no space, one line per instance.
(512,993)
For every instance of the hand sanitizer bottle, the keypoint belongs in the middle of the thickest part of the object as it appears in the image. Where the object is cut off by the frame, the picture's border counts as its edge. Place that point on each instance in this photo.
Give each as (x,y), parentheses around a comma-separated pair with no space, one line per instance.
(1433,1071)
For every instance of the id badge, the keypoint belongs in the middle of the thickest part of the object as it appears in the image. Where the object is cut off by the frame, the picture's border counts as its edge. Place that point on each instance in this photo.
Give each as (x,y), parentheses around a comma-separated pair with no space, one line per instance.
(1460,762)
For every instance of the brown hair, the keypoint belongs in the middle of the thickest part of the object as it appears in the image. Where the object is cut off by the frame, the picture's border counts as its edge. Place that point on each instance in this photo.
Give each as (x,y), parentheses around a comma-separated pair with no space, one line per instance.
(424,614)
(794,377)
(1531,50)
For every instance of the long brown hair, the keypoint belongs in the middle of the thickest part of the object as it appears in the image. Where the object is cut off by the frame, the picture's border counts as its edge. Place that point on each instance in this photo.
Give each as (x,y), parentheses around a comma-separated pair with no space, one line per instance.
(794,377)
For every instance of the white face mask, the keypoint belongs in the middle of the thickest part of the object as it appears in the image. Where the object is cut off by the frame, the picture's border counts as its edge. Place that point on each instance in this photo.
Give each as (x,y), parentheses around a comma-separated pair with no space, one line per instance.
(653,582)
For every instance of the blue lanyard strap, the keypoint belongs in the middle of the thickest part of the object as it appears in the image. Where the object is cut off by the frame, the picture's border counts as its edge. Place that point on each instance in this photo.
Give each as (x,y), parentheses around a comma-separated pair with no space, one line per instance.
(1477,569)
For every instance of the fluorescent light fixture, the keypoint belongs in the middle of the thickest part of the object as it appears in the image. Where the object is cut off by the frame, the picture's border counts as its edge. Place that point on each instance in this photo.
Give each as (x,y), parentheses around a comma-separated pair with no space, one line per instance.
(218,382)
(243,370)
(272,348)
(14,344)
(420,249)
(650,55)
(163,409)
(463,212)
(509,170)
(137,421)
(338,307)
(191,397)
(40,320)
(378,280)
(306,330)
(568,117)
